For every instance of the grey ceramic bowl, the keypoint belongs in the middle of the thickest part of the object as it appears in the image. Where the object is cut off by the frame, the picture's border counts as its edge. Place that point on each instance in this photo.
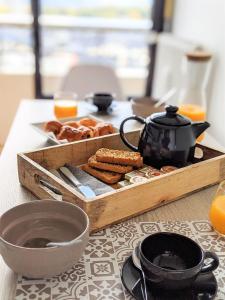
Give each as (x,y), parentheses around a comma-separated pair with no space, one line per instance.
(144,107)
(43,238)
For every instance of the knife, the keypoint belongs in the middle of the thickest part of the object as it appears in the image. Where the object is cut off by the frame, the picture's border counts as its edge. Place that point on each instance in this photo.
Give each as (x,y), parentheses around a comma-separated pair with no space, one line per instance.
(84,189)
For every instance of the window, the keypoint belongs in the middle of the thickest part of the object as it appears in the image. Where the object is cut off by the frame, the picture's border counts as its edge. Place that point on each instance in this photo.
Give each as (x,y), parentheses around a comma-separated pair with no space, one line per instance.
(98,31)
(101,31)
(16,53)
(109,32)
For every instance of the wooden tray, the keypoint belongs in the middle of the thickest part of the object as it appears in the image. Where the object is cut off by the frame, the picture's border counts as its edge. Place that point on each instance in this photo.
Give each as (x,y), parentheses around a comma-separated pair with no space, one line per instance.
(125,202)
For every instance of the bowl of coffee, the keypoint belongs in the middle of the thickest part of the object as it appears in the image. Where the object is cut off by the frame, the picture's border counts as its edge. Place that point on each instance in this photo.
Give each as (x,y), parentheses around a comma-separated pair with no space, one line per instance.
(102,100)
(173,261)
(43,238)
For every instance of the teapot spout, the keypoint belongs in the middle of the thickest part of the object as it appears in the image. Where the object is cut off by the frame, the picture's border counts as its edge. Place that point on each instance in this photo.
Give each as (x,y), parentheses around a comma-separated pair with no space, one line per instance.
(199,128)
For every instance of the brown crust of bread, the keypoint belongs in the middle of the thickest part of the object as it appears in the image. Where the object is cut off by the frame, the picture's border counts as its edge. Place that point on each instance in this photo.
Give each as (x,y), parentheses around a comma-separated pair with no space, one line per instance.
(107,177)
(120,157)
(92,162)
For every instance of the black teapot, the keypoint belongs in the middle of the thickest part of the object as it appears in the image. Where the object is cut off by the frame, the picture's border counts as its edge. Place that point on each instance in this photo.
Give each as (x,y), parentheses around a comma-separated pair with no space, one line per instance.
(167,138)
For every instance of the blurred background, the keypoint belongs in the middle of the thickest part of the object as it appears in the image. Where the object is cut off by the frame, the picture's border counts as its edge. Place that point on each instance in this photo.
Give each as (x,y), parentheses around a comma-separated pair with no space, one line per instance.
(142,41)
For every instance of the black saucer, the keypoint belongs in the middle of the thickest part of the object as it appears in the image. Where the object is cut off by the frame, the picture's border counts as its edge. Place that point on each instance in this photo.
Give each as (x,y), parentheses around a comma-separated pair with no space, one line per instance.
(107,111)
(204,288)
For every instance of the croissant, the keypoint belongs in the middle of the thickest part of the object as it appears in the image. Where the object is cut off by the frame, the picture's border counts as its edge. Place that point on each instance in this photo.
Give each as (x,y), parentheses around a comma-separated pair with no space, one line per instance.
(87,122)
(95,131)
(86,132)
(73,124)
(104,128)
(69,133)
(53,126)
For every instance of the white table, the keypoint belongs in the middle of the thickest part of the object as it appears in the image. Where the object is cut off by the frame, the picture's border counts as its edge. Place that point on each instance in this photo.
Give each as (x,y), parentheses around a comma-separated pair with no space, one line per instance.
(22,137)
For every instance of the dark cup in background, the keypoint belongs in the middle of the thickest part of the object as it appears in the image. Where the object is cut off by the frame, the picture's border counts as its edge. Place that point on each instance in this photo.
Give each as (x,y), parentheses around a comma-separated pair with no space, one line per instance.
(101,100)
(172,261)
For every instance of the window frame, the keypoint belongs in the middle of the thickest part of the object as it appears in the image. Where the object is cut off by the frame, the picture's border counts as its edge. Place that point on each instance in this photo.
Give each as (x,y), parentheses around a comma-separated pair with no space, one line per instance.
(157,26)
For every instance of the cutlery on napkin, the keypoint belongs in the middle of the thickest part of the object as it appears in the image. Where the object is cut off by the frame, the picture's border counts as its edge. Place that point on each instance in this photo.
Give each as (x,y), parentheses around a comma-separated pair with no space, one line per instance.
(84,189)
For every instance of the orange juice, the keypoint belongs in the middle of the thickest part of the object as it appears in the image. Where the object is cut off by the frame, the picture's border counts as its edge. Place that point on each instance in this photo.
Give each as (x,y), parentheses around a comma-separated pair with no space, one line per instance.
(65,108)
(194,112)
(217,213)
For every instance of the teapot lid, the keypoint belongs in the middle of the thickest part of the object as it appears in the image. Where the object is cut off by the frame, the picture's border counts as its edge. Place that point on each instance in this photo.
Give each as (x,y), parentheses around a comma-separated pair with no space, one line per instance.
(170,117)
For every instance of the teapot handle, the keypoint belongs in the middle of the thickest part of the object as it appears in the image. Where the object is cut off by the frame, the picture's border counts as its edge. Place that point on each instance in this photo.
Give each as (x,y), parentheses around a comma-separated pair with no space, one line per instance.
(140,120)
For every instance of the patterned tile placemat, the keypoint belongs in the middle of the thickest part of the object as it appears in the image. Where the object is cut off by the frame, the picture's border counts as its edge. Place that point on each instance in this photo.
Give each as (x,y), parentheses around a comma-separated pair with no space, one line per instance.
(97,275)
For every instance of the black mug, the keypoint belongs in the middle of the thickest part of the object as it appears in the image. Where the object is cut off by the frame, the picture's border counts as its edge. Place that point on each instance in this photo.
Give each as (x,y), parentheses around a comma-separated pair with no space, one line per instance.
(101,100)
(172,261)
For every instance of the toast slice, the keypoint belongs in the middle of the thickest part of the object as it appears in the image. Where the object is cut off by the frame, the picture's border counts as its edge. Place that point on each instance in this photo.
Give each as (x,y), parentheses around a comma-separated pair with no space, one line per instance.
(121,157)
(105,176)
(92,162)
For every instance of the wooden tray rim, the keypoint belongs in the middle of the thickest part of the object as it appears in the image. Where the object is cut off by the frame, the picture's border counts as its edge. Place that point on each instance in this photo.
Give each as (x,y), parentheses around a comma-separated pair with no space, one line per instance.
(59,181)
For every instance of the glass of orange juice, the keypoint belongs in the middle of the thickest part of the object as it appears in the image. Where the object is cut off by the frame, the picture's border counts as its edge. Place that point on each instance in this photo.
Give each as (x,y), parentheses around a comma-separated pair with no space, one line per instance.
(194,112)
(217,210)
(65,105)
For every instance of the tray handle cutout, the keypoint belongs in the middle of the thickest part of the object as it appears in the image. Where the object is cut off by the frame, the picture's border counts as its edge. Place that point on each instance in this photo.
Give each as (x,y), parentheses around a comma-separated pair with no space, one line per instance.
(49,188)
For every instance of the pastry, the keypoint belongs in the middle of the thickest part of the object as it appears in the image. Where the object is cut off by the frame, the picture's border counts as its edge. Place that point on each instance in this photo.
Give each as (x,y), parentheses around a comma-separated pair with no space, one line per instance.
(95,131)
(69,133)
(119,157)
(53,126)
(86,132)
(88,128)
(88,122)
(104,128)
(73,124)
(107,177)
(92,162)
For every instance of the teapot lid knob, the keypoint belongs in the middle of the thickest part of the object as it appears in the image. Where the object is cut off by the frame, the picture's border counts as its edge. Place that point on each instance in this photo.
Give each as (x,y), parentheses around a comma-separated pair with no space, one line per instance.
(171,109)
(170,117)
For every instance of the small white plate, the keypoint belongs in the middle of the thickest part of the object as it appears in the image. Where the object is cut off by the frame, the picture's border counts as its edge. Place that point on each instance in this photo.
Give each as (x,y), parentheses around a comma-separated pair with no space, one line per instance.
(51,136)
